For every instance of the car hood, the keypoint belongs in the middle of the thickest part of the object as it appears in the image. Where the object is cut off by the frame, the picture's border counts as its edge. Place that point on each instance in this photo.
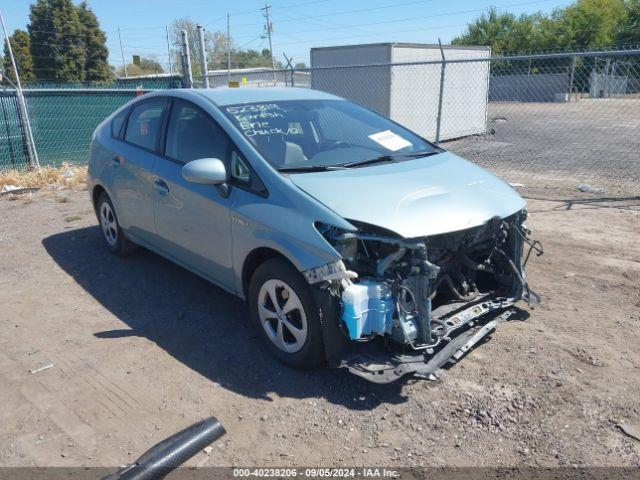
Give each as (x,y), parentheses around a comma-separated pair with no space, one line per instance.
(414,198)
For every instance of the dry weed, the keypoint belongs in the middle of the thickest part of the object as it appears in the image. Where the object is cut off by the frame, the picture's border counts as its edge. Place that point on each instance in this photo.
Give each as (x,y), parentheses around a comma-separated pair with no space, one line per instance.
(65,176)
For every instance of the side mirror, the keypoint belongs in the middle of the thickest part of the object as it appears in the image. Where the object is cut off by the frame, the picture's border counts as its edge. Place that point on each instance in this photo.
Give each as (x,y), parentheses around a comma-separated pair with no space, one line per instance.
(207,171)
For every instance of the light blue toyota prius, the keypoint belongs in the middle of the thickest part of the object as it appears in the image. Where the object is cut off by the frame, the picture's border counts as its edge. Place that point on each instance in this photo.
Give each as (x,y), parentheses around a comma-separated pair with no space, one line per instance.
(354,240)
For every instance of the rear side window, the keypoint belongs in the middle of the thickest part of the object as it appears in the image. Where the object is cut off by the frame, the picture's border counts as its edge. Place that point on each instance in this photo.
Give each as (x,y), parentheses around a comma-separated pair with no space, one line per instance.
(192,134)
(117,122)
(144,123)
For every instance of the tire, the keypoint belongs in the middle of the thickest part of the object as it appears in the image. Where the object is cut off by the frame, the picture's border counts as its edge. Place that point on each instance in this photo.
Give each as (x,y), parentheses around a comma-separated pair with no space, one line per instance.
(112,234)
(294,337)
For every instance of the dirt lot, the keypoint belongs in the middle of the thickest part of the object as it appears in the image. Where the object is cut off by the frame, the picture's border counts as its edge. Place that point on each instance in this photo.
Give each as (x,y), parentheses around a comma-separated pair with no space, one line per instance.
(143,348)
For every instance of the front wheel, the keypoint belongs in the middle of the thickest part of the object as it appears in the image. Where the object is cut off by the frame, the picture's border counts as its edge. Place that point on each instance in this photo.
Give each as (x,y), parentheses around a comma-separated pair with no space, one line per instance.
(284,311)
(112,234)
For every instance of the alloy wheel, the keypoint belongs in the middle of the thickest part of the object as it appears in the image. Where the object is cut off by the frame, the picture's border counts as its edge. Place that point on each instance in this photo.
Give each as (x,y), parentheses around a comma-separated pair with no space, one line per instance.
(109,224)
(282,315)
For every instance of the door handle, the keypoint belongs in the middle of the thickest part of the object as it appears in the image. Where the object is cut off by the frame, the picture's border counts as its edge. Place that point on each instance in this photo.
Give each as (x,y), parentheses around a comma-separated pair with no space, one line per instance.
(161,186)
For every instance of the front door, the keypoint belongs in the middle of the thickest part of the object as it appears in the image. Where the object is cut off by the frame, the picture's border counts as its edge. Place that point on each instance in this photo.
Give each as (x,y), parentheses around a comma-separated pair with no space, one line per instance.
(193,221)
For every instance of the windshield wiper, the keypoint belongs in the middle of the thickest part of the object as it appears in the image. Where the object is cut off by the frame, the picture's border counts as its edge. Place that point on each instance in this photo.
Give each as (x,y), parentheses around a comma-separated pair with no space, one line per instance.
(344,166)
(421,153)
(311,168)
(390,158)
(380,159)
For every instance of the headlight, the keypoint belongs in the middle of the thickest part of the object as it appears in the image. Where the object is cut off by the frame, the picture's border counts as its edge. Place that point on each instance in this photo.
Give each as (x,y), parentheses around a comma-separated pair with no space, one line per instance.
(344,242)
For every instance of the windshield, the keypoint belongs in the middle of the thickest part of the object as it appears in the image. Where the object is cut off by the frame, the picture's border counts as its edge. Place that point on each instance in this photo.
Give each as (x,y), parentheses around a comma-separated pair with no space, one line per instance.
(321,134)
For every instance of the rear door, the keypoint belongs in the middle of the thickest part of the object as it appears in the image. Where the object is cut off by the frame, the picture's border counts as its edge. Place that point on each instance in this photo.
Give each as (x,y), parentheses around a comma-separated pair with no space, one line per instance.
(133,168)
(193,221)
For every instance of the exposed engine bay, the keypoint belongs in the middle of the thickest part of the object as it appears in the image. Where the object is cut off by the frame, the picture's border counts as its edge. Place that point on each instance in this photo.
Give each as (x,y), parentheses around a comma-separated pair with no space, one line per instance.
(426,301)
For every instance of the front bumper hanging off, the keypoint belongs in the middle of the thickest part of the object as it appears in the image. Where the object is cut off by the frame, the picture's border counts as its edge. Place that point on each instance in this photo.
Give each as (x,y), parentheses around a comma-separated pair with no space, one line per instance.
(379,366)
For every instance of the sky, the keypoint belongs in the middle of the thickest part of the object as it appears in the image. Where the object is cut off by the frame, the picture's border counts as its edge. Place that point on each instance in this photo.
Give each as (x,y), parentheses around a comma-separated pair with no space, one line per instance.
(298,25)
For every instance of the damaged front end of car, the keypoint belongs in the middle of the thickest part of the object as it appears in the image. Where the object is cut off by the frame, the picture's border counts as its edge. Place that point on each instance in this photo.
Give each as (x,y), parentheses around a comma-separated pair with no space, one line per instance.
(411,306)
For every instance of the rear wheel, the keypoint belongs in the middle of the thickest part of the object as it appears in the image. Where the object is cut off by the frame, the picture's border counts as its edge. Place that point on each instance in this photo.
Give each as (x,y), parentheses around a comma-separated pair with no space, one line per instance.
(112,234)
(283,309)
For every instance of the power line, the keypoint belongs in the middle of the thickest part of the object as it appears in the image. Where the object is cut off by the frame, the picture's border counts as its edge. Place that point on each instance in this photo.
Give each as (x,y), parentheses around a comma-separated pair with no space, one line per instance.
(447,14)
(316,21)
(276,7)
(419,29)
(345,12)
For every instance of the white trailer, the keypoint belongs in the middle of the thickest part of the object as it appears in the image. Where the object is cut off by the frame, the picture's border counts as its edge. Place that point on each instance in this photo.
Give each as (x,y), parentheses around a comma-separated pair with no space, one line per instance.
(409,94)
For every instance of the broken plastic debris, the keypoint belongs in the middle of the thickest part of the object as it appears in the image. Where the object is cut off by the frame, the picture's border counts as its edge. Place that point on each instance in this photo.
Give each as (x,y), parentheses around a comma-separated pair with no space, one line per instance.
(630,430)
(516,184)
(44,367)
(10,188)
(584,187)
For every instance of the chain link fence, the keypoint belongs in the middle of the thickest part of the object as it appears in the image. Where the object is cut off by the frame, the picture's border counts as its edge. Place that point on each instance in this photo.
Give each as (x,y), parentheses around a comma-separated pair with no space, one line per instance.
(562,123)
(63,118)
(558,124)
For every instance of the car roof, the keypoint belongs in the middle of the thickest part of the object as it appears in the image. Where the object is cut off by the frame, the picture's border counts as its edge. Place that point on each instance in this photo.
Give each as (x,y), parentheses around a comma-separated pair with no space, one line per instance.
(231,96)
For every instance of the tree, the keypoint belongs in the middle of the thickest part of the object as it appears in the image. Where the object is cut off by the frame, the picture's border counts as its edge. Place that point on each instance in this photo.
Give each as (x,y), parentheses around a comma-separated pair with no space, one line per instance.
(253,59)
(583,24)
(503,32)
(588,24)
(96,67)
(148,66)
(629,32)
(57,41)
(216,44)
(217,51)
(20,46)
(194,43)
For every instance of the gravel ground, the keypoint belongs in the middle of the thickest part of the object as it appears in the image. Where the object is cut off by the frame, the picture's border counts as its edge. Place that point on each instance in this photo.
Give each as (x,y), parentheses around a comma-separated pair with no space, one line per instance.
(142,348)
(556,146)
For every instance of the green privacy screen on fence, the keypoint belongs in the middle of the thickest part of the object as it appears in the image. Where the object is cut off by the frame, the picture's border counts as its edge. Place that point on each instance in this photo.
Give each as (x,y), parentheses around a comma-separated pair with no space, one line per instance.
(12,144)
(62,119)
(63,122)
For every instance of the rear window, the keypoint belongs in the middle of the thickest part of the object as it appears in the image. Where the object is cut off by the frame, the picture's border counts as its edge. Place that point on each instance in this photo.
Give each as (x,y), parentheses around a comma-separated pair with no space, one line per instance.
(143,125)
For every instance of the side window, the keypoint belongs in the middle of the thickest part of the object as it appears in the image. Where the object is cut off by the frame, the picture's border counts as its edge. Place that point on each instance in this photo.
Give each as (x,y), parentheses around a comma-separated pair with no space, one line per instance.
(241,175)
(239,170)
(117,122)
(144,123)
(192,134)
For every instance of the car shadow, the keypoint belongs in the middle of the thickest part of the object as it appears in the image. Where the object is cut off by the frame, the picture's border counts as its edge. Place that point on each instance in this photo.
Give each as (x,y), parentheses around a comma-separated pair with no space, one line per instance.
(199,324)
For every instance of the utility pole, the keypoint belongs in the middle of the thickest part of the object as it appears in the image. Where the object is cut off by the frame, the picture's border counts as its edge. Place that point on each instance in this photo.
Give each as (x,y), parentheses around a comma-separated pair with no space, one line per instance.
(32,154)
(124,65)
(269,28)
(228,48)
(203,57)
(166,28)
